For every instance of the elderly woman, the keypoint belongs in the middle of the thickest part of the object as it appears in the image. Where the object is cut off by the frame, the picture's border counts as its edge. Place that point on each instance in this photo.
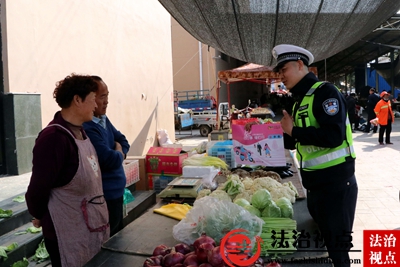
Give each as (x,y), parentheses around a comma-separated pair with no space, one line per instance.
(65,192)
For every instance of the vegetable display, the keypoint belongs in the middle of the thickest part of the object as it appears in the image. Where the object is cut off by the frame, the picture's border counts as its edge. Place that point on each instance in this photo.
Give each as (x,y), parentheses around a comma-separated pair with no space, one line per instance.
(215,218)
(202,253)
(9,248)
(274,243)
(205,161)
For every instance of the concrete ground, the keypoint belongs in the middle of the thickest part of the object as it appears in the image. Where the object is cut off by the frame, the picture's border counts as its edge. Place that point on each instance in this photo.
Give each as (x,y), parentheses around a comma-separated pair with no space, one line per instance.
(377,174)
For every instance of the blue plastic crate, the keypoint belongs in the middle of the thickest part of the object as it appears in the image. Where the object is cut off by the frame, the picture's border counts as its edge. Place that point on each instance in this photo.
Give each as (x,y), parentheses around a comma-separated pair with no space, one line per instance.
(224,151)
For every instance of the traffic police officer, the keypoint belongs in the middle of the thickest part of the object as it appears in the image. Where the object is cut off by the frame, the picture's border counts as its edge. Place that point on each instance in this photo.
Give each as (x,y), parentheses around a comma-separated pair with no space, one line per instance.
(319,129)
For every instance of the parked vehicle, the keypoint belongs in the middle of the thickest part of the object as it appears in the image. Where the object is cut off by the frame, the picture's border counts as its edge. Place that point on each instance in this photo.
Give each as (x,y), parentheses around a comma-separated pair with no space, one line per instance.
(202,106)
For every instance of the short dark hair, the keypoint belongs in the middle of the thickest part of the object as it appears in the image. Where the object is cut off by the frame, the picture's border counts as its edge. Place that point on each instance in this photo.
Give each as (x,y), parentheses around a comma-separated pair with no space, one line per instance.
(73,84)
(97,79)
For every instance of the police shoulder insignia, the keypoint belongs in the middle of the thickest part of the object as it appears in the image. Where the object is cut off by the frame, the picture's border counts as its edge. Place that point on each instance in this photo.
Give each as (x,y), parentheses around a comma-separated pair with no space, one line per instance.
(331,106)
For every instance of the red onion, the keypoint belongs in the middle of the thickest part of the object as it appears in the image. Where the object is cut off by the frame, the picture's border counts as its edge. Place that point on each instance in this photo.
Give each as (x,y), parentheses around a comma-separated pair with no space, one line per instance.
(273,264)
(215,258)
(203,239)
(202,252)
(231,248)
(190,253)
(182,248)
(191,260)
(205,265)
(260,261)
(153,261)
(179,265)
(161,250)
(173,258)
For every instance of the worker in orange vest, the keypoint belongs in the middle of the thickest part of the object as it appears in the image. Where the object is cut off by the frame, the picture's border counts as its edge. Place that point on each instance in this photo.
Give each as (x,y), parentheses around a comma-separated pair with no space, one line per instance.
(384,113)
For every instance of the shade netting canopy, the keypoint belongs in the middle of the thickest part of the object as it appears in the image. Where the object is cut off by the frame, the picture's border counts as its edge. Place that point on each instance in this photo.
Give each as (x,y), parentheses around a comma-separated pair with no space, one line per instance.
(248,29)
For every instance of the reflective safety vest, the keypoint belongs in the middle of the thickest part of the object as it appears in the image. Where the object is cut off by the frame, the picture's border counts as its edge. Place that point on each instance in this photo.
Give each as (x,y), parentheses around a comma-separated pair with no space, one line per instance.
(314,157)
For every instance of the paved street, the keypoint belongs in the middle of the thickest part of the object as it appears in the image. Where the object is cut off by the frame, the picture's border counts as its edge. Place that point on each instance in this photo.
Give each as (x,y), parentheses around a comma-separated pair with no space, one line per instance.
(377,173)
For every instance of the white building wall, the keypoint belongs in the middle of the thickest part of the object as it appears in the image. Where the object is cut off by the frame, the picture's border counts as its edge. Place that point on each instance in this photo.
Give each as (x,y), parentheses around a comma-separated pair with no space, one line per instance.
(127,43)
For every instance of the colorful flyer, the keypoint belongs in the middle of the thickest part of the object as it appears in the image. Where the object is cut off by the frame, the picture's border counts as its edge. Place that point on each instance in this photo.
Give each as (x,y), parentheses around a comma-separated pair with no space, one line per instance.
(262,145)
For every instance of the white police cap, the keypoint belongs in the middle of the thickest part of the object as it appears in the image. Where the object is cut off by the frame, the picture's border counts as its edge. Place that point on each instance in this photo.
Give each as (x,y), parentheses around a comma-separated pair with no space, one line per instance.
(286,52)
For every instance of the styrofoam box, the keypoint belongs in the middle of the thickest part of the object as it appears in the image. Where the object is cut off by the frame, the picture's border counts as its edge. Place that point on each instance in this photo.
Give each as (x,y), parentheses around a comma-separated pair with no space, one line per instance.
(193,171)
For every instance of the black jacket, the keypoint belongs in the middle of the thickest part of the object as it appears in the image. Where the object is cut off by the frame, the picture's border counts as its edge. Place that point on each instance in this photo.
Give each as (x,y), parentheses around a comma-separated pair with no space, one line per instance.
(373,99)
(331,133)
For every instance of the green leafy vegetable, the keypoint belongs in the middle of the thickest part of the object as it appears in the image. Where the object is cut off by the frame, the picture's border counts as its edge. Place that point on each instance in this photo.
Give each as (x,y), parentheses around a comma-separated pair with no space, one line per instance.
(234,185)
(41,253)
(19,199)
(205,161)
(241,202)
(272,210)
(261,198)
(5,213)
(21,263)
(253,210)
(32,230)
(286,207)
(4,250)
(3,253)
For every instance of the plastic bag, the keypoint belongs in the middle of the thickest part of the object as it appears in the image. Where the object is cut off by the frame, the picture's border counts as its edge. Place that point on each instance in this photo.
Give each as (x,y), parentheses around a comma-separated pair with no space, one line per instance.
(128,197)
(173,210)
(374,122)
(216,218)
(163,137)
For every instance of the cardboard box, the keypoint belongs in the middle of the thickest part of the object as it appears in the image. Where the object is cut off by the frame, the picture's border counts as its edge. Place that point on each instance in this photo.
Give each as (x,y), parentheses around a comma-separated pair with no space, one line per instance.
(143,183)
(165,159)
(263,145)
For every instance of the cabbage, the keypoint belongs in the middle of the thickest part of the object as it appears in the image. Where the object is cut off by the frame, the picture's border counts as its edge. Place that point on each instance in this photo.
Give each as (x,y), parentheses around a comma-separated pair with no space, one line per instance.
(272,211)
(253,210)
(261,198)
(286,207)
(241,202)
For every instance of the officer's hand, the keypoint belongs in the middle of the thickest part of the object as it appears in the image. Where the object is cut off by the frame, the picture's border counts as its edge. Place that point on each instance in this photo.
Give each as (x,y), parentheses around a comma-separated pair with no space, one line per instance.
(287,123)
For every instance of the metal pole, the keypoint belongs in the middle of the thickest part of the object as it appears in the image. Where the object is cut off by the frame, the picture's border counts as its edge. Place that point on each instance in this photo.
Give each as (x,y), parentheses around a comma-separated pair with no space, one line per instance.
(201,68)
(392,72)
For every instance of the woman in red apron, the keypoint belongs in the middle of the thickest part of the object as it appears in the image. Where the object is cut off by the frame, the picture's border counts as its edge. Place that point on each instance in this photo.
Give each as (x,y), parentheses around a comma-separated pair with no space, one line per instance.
(65,191)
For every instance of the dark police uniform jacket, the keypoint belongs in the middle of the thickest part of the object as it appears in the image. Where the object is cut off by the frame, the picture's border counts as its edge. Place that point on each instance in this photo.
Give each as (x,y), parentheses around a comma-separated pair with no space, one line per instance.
(331,133)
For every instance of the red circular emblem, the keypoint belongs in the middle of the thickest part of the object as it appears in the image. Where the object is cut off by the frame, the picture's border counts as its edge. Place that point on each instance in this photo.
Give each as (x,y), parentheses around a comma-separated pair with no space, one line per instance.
(235,248)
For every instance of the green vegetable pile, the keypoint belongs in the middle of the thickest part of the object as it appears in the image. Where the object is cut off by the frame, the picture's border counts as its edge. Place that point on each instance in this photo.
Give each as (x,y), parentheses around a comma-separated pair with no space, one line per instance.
(9,248)
(22,263)
(5,213)
(19,199)
(41,253)
(274,243)
(32,230)
(205,161)
(233,186)
(262,205)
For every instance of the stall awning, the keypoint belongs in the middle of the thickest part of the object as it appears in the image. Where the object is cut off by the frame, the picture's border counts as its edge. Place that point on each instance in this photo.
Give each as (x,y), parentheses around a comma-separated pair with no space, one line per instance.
(251,72)
(248,29)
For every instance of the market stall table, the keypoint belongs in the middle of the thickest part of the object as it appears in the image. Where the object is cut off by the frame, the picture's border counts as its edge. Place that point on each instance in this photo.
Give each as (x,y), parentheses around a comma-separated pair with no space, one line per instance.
(135,242)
